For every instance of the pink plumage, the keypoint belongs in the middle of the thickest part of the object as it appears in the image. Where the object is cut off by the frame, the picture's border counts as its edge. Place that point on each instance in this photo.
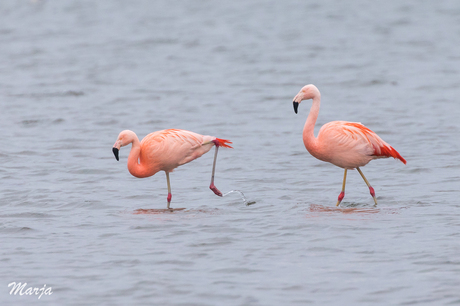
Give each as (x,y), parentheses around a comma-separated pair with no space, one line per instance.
(166,150)
(223,143)
(348,145)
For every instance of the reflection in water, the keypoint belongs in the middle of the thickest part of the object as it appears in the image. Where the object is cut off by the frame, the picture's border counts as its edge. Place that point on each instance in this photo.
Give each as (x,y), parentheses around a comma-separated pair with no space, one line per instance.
(154,211)
(345,210)
(183,211)
(352,210)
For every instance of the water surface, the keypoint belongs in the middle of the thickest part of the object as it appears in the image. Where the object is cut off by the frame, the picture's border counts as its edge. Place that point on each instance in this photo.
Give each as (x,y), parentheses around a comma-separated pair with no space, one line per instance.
(76,73)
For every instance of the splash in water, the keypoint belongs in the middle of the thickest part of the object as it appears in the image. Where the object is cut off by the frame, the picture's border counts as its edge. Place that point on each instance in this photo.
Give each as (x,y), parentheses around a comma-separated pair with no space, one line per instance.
(242,197)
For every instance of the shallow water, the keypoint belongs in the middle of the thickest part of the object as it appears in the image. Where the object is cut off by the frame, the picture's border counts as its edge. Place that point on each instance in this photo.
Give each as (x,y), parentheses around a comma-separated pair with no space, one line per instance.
(76,73)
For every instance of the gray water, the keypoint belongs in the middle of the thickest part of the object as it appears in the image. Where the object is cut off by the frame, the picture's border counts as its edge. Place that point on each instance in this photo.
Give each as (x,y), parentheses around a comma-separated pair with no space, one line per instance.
(73,74)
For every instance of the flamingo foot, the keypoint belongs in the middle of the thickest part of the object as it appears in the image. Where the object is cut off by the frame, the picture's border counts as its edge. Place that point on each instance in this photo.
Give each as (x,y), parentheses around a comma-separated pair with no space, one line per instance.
(215,190)
(341,196)
(169,199)
(373,194)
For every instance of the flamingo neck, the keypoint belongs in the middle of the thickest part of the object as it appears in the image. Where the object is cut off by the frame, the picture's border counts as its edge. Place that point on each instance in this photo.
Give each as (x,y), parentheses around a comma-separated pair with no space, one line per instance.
(134,166)
(309,138)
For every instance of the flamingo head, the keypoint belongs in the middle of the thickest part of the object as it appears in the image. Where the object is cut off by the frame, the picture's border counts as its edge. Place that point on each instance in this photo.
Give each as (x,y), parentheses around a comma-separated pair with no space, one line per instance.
(124,138)
(307,92)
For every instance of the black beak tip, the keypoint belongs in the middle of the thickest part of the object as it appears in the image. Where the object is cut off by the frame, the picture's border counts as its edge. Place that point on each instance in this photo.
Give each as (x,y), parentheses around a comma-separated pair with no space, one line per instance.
(296,105)
(115,152)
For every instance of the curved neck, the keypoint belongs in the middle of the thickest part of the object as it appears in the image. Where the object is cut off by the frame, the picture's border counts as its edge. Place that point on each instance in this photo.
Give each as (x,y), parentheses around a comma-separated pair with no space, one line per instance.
(134,167)
(308,131)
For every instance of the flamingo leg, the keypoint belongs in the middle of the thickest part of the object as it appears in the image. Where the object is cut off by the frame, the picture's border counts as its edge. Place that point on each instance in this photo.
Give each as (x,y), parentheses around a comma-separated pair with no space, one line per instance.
(212,186)
(169,188)
(368,185)
(342,194)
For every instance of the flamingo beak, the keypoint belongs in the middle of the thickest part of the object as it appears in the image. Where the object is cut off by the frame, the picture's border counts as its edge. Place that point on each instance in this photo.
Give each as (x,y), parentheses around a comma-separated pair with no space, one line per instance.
(116,149)
(296,105)
(115,152)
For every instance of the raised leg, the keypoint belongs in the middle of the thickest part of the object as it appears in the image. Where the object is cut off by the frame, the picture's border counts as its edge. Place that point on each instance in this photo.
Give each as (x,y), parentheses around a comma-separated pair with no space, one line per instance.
(342,194)
(212,186)
(169,188)
(368,185)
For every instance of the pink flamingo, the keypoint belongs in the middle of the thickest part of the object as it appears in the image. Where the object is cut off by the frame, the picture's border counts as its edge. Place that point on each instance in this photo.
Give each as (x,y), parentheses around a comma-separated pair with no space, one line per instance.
(348,145)
(166,150)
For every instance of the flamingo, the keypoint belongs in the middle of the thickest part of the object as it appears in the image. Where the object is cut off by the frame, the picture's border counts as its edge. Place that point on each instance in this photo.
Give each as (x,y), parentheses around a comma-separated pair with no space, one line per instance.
(348,145)
(166,150)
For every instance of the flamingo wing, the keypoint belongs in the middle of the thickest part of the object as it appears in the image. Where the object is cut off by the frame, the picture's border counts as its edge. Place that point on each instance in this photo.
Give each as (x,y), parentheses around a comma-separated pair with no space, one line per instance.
(176,137)
(358,136)
(173,147)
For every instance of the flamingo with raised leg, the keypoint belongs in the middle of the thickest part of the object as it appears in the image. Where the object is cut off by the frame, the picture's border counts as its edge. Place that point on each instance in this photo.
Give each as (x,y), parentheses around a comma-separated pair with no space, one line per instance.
(348,145)
(166,150)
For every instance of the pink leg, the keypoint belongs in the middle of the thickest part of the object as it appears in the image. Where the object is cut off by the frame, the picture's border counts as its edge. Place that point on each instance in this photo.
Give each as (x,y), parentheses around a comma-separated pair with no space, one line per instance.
(371,190)
(342,194)
(169,189)
(169,198)
(212,186)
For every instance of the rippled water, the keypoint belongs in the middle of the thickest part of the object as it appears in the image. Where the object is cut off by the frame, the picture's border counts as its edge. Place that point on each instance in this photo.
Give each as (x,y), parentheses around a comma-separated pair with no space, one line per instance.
(73,74)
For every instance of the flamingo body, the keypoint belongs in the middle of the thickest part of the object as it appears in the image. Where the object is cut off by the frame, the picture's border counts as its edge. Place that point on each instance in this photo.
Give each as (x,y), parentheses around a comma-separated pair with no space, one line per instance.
(166,150)
(349,145)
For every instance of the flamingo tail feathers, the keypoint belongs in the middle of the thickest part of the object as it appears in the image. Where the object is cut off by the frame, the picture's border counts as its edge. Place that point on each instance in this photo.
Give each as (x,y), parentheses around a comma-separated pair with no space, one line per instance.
(389,152)
(223,143)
